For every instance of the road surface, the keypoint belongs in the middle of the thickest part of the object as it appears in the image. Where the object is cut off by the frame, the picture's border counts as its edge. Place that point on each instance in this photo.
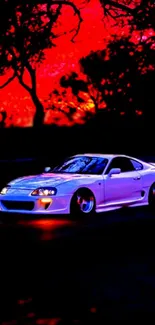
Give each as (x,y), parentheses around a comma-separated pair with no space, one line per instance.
(59,271)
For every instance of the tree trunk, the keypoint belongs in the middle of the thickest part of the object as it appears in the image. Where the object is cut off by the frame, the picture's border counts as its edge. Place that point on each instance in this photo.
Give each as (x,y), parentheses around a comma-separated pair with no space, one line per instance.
(39,114)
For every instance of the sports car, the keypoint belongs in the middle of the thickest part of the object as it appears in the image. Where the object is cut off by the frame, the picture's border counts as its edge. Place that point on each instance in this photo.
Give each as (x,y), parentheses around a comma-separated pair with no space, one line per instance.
(83,184)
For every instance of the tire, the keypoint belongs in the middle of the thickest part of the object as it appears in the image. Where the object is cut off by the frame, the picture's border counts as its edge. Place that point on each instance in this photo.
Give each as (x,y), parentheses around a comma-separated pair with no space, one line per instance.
(152,198)
(82,203)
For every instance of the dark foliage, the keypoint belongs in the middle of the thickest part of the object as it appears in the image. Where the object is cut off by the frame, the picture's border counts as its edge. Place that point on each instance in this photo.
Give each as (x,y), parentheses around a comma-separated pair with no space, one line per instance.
(26,30)
(139,14)
(124,80)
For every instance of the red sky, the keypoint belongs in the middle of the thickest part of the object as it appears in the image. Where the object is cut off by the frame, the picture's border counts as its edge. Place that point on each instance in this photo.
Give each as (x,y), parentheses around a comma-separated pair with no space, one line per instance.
(60,60)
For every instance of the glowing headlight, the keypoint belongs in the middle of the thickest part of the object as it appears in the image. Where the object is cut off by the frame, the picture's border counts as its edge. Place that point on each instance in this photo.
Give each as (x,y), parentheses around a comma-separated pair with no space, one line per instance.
(45,191)
(4,190)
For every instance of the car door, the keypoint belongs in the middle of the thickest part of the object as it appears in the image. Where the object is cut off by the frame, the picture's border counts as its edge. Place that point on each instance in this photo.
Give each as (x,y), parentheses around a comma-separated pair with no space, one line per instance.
(123,187)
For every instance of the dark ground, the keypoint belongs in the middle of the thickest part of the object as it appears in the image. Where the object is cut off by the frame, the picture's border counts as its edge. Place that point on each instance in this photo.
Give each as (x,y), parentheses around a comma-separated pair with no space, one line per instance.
(55,143)
(88,271)
(54,271)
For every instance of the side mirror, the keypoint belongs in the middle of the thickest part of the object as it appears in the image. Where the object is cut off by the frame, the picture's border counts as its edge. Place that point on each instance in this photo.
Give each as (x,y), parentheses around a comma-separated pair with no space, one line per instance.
(47,169)
(114,171)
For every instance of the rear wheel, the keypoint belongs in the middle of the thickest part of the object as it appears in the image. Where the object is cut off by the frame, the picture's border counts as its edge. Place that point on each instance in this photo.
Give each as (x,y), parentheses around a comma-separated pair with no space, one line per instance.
(152,198)
(83,203)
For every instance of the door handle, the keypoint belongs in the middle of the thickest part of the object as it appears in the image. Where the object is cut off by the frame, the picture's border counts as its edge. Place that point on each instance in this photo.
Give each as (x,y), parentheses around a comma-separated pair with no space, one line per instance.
(136,178)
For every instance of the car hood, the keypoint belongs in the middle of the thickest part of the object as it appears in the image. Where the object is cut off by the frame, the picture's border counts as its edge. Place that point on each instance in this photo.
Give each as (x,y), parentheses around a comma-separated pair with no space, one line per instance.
(50,179)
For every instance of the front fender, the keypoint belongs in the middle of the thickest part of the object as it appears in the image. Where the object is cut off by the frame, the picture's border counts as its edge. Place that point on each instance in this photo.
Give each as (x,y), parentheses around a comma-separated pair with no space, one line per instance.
(69,188)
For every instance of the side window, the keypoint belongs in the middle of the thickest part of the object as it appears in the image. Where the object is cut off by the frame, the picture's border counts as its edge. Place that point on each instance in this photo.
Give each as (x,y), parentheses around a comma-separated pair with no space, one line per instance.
(137,165)
(113,164)
(121,162)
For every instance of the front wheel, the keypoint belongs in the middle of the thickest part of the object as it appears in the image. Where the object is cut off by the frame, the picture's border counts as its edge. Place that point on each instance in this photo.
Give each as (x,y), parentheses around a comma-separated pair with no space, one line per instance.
(83,203)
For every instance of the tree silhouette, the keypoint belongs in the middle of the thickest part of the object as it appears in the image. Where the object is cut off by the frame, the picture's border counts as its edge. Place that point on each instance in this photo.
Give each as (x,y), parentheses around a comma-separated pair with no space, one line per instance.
(59,103)
(129,76)
(88,86)
(26,30)
(139,14)
(122,77)
(68,104)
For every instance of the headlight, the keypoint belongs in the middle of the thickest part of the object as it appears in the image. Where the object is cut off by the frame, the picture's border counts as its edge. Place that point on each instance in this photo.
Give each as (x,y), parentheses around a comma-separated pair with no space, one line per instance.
(4,190)
(45,191)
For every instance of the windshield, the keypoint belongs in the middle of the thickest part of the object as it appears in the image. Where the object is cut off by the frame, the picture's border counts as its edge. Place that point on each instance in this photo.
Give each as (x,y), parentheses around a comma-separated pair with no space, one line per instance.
(82,165)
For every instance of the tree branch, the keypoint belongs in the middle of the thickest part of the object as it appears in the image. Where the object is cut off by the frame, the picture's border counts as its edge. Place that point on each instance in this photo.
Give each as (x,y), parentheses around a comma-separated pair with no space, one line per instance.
(18,72)
(23,84)
(114,4)
(76,11)
(119,6)
(20,78)
(8,81)
(32,73)
(53,18)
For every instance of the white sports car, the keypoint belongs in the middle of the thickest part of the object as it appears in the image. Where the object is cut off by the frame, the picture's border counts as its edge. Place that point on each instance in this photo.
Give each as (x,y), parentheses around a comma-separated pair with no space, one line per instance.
(84,184)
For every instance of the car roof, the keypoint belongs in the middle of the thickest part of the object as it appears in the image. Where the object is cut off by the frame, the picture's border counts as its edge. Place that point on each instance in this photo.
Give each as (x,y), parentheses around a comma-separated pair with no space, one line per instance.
(108,156)
(111,156)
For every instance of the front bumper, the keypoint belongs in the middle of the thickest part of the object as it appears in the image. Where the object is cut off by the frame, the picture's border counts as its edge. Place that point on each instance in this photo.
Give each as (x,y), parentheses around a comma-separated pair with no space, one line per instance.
(34,205)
